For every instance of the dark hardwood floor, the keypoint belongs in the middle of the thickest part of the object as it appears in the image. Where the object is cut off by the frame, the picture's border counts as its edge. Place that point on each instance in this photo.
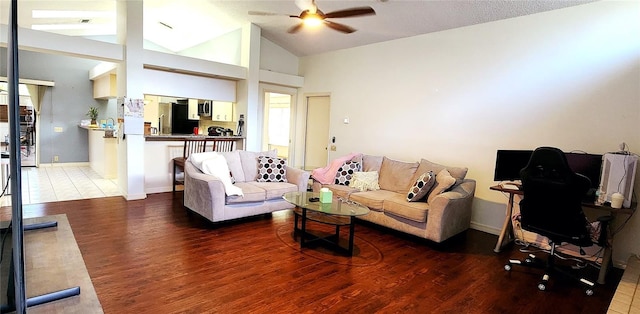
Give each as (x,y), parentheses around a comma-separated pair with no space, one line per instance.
(152,256)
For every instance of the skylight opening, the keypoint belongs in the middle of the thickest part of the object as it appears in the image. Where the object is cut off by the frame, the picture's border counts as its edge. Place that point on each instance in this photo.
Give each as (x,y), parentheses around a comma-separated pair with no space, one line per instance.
(61,14)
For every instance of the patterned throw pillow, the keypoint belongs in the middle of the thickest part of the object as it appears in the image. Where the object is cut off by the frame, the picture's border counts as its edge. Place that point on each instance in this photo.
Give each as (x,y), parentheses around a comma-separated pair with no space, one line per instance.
(345,172)
(271,169)
(421,187)
(365,181)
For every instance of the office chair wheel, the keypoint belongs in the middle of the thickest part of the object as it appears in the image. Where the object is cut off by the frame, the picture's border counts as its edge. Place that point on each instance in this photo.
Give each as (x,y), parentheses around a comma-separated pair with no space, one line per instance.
(542,286)
(507,267)
(588,292)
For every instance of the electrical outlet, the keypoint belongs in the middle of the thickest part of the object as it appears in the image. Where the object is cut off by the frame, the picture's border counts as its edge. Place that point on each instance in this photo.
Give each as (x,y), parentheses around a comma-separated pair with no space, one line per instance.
(55,158)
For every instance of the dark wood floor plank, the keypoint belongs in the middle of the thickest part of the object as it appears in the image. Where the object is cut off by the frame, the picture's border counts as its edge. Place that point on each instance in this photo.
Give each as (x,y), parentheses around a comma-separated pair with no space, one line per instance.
(153,256)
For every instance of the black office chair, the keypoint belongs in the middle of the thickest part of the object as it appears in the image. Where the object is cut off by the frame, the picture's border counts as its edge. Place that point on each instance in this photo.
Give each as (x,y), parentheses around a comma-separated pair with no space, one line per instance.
(552,207)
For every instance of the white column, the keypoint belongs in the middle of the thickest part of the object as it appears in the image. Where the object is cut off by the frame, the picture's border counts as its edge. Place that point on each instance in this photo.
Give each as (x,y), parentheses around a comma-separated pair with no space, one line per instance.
(249,89)
(130,77)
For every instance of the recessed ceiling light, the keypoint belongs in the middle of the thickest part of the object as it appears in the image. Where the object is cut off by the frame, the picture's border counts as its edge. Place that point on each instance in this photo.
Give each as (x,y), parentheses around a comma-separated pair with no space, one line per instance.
(166,25)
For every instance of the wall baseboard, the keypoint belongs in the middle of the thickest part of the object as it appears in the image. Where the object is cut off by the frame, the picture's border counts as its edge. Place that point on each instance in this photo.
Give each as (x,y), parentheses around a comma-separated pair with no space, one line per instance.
(134,197)
(485,228)
(65,164)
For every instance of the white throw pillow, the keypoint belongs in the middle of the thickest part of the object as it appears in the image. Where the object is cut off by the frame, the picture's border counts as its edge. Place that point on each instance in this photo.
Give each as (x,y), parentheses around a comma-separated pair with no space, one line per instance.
(365,181)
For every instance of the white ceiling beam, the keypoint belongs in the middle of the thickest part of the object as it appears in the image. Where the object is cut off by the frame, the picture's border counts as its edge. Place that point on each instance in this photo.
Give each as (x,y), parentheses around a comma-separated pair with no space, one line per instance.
(30,81)
(181,64)
(40,41)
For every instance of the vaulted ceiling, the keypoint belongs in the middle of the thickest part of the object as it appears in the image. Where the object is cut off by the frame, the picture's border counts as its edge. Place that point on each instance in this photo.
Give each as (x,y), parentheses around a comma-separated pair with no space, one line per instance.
(180,24)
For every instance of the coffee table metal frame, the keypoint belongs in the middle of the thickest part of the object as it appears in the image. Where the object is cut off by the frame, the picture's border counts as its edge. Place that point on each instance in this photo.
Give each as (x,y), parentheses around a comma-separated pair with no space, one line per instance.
(338,213)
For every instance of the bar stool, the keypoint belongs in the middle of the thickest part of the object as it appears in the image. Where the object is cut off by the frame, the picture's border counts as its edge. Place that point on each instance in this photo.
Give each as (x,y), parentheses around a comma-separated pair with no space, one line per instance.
(223,145)
(191,145)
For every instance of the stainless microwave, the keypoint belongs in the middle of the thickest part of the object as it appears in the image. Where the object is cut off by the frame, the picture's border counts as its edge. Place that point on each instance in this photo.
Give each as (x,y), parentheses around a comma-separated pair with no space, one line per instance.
(204,108)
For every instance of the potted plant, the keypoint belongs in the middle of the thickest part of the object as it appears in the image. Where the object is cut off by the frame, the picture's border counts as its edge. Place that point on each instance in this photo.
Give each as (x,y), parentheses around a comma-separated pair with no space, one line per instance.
(93,114)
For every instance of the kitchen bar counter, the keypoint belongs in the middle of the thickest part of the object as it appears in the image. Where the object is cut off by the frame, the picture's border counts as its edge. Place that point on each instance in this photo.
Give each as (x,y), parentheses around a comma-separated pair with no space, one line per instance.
(168,137)
(103,152)
(159,151)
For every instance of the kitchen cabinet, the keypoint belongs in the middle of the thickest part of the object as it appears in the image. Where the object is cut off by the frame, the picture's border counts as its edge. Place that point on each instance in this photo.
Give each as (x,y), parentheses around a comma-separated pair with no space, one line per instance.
(104,87)
(222,111)
(193,110)
(103,153)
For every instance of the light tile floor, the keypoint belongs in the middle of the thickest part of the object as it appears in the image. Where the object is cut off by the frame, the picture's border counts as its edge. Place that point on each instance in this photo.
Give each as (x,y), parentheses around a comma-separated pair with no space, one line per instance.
(52,184)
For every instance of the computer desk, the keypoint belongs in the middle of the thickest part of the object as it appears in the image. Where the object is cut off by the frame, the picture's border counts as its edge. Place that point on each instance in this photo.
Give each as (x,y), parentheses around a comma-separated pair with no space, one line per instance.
(507,235)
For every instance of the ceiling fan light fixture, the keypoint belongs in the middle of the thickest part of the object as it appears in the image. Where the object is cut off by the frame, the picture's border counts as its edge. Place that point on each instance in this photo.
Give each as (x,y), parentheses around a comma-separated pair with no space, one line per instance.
(312,20)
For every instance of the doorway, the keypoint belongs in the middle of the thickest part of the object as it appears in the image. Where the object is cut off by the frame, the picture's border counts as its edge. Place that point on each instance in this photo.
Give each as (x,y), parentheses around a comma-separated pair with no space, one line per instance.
(316,153)
(278,113)
(27,123)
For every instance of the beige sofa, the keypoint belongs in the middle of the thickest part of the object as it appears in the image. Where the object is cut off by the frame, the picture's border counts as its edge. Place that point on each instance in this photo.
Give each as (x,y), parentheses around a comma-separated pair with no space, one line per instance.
(443,216)
(205,194)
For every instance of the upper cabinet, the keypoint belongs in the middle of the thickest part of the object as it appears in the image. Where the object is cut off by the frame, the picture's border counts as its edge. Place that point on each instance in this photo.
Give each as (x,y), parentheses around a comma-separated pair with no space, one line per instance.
(222,111)
(193,109)
(104,87)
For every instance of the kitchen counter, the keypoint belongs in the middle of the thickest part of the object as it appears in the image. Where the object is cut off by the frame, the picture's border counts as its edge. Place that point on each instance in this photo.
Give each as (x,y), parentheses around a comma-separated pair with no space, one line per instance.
(93,128)
(168,137)
(103,156)
(159,151)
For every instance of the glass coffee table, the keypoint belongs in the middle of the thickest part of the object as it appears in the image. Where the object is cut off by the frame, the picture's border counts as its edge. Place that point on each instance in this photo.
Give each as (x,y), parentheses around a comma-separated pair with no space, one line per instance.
(337,213)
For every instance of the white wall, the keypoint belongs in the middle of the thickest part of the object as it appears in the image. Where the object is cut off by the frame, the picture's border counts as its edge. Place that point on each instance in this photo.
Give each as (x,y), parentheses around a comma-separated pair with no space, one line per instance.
(277,59)
(223,49)
(568,78)
(165,84)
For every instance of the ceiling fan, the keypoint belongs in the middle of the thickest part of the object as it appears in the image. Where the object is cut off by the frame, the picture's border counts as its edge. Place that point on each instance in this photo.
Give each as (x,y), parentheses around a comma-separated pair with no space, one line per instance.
(312,16)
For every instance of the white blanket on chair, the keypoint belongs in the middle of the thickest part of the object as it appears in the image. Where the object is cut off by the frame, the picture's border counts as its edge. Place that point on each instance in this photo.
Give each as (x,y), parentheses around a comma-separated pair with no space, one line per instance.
(215,164)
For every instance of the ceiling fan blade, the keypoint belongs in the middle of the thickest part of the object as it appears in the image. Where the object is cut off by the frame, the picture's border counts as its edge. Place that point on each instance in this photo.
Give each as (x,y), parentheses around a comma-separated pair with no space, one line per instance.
(295,29)
(340,27)
(351,12)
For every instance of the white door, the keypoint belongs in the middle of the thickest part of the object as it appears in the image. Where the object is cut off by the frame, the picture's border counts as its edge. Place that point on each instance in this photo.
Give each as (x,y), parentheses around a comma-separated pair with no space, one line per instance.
(317,133)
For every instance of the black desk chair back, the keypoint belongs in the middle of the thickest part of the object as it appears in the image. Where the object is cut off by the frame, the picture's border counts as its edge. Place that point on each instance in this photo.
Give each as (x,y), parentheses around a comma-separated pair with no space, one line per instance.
(552,207)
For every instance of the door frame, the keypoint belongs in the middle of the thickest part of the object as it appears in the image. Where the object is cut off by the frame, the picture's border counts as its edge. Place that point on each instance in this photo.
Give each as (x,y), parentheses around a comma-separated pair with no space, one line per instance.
(270,88)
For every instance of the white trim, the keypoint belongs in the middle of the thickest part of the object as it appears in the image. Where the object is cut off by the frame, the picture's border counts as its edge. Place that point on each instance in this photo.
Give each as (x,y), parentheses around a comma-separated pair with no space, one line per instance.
(270,77)
(30,81)
(135,197)
(485,228)
(65,164)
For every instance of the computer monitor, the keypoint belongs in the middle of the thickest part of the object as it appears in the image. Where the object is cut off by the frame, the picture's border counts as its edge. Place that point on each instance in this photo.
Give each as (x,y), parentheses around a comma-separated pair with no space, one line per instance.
(588,165)
(509,163)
